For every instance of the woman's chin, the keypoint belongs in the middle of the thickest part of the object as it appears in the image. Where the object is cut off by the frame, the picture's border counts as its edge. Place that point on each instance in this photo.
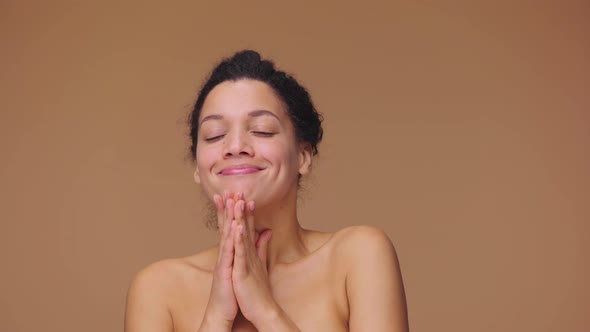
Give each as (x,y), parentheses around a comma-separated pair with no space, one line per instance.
(249,192)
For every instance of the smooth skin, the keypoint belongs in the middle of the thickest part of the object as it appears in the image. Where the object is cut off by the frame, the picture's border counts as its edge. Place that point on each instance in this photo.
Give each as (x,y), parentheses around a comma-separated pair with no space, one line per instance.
(267,273)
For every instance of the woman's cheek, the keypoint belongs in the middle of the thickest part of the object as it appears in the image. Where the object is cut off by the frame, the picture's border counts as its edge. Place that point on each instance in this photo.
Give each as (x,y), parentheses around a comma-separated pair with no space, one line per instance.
(274,149)
(204,162)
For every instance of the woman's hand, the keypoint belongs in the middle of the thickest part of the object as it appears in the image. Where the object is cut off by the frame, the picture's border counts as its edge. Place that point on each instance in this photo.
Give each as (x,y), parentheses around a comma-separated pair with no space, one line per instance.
(250,276)
(222,307)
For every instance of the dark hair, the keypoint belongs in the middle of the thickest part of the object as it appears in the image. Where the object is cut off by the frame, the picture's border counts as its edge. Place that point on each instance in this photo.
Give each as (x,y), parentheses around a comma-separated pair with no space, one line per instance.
(247,64)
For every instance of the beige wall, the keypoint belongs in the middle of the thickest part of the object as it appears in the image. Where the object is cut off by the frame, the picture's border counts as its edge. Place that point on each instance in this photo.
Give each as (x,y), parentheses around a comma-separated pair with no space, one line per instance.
(463,130)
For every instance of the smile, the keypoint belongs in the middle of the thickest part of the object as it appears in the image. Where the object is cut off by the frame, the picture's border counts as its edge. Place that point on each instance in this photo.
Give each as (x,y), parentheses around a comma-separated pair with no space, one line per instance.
(240,170)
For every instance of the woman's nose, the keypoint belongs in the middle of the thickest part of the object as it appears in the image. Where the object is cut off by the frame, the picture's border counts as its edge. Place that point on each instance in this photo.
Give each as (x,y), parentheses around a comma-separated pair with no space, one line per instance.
(237,144)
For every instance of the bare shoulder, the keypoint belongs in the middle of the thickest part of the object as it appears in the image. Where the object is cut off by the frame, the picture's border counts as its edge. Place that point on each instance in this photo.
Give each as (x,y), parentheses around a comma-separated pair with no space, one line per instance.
(362,243)
(361,231)
(161,278)
(374,285)
(156,277)
(361,237)
(147,306)
(156,289)
(171,268)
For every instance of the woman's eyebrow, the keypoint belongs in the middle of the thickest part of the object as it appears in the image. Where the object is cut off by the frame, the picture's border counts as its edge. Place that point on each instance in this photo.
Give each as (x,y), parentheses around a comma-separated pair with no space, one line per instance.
(256,113)
(211,117)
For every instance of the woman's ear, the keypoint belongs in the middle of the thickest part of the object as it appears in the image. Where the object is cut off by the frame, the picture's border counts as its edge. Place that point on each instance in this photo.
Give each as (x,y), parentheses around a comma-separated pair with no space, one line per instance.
(196,176)
(305,154)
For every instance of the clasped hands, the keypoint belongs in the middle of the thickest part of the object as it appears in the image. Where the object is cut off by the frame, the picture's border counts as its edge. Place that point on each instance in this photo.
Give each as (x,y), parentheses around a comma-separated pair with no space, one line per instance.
(240,278)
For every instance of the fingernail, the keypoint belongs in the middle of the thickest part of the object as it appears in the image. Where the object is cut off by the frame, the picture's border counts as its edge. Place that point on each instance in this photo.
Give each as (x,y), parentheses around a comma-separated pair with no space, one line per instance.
(252,206)
(242,205)
(241,195)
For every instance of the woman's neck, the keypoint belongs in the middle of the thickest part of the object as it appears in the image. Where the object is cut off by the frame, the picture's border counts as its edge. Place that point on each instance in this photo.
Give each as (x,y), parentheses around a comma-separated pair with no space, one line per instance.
(287,243)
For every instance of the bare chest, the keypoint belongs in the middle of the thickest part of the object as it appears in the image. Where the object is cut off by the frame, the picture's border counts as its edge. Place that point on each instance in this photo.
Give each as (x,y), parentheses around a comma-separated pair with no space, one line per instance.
(313,296)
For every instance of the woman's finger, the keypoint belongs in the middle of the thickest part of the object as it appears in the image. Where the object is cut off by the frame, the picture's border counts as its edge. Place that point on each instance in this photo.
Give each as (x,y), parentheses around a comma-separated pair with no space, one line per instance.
(239,262)
(226,257)
(229,209)
(224,227)
(250,222)
(239,212)
(218,201)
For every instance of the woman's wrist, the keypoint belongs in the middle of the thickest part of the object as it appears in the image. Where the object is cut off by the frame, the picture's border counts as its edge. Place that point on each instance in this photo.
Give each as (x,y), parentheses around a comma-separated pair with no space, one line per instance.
(211,322)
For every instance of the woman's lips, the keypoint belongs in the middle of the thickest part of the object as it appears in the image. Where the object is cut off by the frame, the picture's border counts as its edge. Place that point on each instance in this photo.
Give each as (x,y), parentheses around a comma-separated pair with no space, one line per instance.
(240,170)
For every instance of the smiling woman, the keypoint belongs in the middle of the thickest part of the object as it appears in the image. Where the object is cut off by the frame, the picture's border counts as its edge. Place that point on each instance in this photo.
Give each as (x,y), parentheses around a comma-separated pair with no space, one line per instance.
(245,130)
(254,132)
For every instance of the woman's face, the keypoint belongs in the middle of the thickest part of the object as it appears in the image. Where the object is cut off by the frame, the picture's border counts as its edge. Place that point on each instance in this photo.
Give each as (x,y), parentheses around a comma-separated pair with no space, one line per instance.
(247,143)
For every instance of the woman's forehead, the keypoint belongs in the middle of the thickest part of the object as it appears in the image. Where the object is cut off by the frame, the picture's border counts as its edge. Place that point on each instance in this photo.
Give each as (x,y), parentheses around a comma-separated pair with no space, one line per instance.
(243,97)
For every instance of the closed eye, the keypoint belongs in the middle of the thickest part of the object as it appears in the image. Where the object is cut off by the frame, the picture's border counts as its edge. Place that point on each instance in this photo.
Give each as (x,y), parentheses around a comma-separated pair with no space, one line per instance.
(213,139)
(263,133)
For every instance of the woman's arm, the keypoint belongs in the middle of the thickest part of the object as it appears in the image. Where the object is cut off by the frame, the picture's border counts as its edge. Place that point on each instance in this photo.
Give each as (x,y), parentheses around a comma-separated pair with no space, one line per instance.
(374,283)
(277,321)
(146,308)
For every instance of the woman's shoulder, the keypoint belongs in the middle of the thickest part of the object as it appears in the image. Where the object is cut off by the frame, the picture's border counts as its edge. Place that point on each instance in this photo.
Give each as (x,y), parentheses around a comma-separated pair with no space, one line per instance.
(202,261)
(360,235)
(374,285)
(361,242)
(166,274)
(159,286)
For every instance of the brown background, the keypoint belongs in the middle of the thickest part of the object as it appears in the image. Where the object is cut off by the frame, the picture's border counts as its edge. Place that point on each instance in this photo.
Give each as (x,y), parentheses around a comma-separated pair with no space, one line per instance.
(463,130)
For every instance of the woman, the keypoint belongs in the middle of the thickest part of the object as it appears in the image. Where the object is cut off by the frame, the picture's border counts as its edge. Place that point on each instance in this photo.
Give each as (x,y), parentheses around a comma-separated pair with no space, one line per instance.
(254,132)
